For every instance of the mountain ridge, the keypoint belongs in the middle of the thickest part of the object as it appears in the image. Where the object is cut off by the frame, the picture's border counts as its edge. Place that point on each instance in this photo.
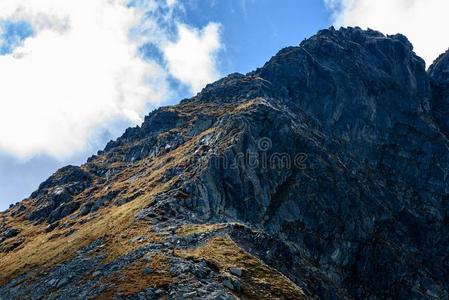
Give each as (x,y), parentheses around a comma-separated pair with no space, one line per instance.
(320,175)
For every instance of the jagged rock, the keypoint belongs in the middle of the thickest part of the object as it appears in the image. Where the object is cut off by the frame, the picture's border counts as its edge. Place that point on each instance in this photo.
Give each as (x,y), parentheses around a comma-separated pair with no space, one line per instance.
(53,282)
(10,232)
(54,196)
(63,282)
(439,79)
(51,227)
(147,271)
(236,271)
(329,165)
(120,202)
(63,211)
(145,214)
(103,200)
(19,209)
(96,274)
(200,124)
(41,212)
(86,208)
(74,176)
(228,283)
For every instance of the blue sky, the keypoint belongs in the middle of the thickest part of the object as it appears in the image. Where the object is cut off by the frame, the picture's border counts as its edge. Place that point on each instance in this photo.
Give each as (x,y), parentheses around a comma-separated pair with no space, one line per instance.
(12,33)
(255,30)
(76,73)
(250,33)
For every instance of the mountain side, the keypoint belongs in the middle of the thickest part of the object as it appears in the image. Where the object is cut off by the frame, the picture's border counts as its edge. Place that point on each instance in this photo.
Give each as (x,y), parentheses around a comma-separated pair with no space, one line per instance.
(323,174)
(439,79)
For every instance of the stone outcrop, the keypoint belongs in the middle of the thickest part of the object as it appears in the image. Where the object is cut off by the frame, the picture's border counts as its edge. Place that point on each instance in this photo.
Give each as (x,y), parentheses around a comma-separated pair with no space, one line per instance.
(439,80)
(323,174)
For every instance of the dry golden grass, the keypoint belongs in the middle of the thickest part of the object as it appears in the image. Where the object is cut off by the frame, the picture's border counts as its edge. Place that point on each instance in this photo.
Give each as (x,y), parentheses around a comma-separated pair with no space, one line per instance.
(213,109)
(135,236)
(41,250)
(133,278)
(245,105)
(258,281)
(191,229)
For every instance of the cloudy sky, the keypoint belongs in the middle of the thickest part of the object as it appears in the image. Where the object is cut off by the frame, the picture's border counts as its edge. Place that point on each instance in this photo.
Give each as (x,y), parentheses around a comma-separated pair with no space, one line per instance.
(75,73)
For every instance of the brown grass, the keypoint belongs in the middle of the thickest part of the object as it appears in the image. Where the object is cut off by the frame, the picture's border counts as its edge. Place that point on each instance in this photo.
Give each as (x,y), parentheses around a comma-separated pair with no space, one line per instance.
(133,279)
(41,251)
(258,281)
(135,236)
(191,229)
(116,225)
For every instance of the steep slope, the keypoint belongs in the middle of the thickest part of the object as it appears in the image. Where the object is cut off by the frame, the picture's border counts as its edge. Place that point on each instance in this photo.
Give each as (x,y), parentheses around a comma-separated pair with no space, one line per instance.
(322,174)
(439,79)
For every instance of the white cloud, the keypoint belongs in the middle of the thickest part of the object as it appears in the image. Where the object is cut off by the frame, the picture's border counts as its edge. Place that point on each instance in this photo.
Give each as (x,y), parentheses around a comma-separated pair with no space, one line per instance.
(192,58)
(424,22)
(171,3)
(82,70)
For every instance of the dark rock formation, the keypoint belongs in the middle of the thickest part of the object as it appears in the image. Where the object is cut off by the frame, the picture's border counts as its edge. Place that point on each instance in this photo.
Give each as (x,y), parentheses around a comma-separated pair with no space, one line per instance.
(55,194)
(329,164)
(439,79)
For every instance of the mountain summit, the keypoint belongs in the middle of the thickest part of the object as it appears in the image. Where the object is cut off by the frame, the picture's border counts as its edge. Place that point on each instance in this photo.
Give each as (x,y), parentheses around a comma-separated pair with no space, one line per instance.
(323,174)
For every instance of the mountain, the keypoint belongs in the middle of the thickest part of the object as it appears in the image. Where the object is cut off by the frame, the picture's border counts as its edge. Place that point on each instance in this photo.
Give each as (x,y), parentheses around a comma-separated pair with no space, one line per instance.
(323,174)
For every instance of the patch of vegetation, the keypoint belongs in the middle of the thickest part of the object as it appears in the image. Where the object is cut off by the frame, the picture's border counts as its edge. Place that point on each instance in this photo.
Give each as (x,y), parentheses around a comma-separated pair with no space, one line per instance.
(153,271)
(258,280)
(191,229)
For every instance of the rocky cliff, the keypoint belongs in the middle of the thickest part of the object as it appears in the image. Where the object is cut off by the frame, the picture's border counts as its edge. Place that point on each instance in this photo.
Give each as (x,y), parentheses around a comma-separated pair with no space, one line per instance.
(323,174)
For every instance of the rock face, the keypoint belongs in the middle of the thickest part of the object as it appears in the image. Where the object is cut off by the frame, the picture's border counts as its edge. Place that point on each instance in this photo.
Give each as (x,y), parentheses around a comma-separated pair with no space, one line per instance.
(323,174)
(439,79)
(54,196)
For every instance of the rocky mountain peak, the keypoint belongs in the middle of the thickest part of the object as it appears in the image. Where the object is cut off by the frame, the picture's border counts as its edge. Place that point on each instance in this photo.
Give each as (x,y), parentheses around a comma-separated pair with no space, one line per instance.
(361,58)
(322,174)
(439,70)
(439,79)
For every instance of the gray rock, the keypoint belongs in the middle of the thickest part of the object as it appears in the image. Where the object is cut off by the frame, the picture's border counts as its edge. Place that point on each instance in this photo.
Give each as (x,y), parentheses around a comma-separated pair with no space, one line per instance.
(53,282)
(439,80)
(228,283)
(189,295)
(51,227)
(63,211)
(236,271)
(96,273)
(86,208)
(10,232)
(147,271)
(334,155)
(63,282)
